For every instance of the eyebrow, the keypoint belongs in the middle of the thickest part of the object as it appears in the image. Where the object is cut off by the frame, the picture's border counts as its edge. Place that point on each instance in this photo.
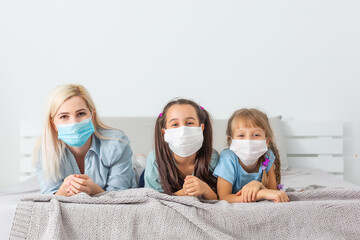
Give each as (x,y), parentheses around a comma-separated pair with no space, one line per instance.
(185,118)
(75,111)
(241,130)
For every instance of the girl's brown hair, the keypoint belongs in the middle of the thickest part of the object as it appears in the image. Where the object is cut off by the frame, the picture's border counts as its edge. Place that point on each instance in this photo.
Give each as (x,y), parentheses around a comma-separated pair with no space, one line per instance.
(171,178)
(253,117)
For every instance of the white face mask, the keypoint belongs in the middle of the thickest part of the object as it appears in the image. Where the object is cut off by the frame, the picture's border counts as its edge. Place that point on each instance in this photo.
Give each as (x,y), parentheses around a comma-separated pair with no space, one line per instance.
(249,151)
(184,141)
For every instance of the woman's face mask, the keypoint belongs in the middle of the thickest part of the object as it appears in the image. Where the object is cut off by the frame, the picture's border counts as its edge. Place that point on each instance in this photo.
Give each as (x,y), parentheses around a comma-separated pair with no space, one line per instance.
(73,122)
(75,134)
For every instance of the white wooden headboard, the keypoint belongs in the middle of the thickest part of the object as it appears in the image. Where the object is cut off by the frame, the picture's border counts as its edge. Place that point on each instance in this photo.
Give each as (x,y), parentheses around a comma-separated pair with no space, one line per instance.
(316,145)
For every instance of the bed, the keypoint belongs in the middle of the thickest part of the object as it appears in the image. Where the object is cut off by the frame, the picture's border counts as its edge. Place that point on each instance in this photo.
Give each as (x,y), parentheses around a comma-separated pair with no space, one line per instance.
(312,172)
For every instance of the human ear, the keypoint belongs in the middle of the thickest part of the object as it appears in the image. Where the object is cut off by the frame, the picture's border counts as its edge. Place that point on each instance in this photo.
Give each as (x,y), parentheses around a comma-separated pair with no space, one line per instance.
(229,140)
(93,114)
(53,125)
(202,126)
(267,141)
(163,131)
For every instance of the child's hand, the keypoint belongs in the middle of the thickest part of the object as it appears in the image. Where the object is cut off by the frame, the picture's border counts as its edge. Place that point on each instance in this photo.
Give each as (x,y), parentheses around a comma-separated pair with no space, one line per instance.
(275,195)
(249,191)
(193,186)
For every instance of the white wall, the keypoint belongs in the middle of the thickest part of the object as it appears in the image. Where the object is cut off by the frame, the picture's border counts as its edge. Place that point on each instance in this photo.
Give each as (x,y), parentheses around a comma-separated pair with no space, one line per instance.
(295,58)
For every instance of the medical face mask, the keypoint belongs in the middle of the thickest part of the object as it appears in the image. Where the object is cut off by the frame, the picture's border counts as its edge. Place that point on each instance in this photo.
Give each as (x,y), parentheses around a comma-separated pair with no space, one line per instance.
(249,151)
(184,141)
(75,134)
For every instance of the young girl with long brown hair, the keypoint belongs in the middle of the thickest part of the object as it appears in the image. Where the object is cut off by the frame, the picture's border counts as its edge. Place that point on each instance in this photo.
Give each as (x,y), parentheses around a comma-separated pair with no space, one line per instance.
(183,160)
(249,170)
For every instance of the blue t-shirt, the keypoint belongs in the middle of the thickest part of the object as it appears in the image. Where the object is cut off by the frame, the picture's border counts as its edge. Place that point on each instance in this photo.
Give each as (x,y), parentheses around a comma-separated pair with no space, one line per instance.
(152,178)
(230,169)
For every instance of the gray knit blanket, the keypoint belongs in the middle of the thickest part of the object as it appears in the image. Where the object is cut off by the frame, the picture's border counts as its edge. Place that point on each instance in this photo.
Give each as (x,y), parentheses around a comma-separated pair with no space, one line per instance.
(146,214)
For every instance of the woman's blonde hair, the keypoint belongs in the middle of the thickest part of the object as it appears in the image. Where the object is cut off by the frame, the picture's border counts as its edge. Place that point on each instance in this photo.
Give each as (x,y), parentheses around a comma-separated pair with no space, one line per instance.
(255,118)
(52,149)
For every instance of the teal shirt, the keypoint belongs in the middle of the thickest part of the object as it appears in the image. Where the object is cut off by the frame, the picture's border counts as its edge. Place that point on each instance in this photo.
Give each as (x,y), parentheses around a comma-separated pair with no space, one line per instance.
(152,178)
(108,163)
(230,169)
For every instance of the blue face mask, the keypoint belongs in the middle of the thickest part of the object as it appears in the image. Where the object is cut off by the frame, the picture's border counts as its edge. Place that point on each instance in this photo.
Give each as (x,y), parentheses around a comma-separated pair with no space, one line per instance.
(75,134)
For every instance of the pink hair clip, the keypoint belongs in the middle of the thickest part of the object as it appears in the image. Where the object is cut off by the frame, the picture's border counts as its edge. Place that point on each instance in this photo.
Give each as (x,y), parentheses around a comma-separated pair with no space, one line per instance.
(160,115)
(201,107)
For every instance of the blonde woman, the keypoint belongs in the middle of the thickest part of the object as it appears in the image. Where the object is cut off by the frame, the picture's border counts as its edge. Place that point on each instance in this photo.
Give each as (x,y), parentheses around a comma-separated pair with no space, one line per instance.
(77,152)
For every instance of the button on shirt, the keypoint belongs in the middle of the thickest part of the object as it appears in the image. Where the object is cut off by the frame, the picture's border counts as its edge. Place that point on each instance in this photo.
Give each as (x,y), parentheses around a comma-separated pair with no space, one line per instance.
(230,169)
(108,163)
(152,178)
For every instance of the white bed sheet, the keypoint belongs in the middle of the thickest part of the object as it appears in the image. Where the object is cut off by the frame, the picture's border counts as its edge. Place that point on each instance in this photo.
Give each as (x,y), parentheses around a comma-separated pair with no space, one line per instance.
(297,179)
(9,198)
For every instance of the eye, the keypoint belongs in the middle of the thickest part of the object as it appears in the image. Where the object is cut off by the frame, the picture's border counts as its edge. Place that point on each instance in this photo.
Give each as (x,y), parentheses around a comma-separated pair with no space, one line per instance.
(63,117)
(240,135)
(81,113)
(174,125)
(190,123)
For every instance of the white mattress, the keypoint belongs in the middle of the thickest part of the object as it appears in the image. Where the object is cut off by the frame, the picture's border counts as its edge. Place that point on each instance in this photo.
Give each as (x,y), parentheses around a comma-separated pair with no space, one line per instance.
(296,179)
(9,198)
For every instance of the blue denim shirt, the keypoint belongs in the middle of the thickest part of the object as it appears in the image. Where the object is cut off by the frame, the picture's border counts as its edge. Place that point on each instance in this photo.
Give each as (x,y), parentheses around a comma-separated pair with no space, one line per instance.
(108,163)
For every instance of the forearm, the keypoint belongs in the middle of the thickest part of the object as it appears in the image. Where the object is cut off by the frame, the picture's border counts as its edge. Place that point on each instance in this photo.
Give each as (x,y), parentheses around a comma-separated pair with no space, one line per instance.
(261,194)
(210,194)
(231,198)
(180,193)
(60,192)
(96,190)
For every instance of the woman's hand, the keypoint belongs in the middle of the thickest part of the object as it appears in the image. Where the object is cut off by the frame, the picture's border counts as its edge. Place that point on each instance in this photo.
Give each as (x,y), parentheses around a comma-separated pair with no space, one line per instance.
(249,191)
(65,189)
(193,186)
(274,195)
(83,183)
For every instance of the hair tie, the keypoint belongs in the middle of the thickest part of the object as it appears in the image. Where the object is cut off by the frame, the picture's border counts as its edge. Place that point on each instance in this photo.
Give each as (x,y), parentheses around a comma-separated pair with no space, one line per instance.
(265,164)
(201,107)
(160,115)
(280,186)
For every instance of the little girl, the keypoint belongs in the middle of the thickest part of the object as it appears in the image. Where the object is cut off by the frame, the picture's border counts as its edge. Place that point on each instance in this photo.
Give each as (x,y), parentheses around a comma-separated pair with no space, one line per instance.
(183,160)
(250,169)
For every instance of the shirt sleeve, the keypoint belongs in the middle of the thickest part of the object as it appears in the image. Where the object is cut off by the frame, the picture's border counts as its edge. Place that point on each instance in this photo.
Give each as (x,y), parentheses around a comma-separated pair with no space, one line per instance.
(226,167)
(214,160)
(47,186)
(270,155)
(151,175)
(121,174)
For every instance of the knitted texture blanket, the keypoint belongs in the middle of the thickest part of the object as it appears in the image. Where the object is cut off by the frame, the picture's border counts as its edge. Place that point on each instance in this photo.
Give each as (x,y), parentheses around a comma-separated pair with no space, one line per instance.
(147,214)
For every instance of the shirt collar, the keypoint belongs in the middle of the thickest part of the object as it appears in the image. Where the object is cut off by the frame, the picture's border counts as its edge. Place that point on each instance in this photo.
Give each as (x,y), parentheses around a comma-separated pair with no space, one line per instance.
(95,144)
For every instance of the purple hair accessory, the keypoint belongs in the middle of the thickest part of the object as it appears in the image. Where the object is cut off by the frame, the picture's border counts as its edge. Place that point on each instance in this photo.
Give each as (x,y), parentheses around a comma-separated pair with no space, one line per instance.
(160,115)
(265,164)
(280,186)
(201,107)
